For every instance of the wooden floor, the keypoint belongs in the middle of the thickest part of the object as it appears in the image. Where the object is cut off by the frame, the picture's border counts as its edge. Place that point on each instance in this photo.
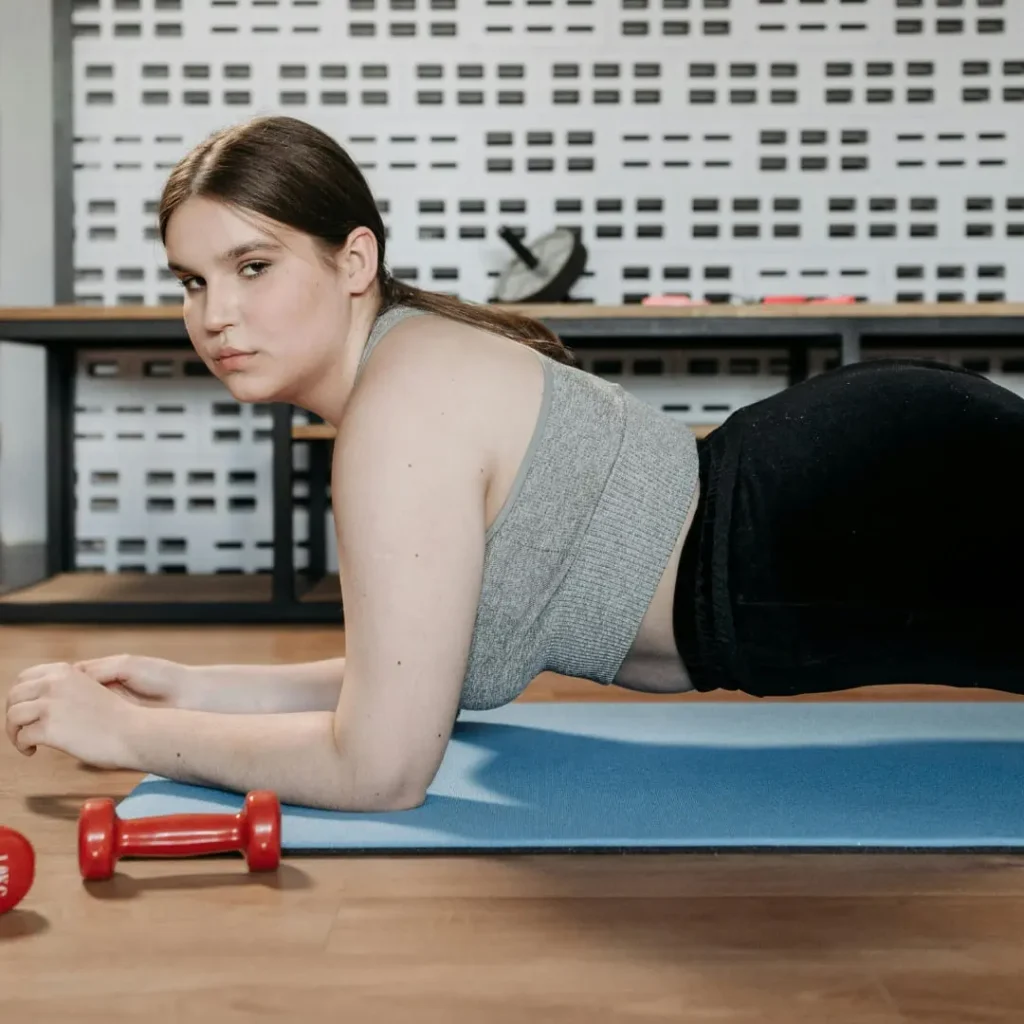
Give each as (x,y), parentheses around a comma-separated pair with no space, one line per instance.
(790,939)
(79,587)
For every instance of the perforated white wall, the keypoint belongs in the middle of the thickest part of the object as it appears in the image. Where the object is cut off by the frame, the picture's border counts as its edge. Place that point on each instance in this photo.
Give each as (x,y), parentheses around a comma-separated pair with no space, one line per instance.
(722,148)
(26,259)
(172,474)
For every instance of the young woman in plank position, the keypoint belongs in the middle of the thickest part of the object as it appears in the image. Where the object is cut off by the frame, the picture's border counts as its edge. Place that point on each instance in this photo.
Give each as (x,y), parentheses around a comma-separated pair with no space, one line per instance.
(500,512)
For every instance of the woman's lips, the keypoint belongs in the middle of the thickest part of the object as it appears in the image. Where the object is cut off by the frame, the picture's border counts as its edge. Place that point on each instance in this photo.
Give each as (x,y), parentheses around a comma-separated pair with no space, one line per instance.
(231,359)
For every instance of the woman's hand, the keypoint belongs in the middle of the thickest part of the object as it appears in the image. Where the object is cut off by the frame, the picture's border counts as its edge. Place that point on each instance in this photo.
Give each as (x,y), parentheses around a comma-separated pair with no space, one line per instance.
(153,682)
(224,689)
(59,706)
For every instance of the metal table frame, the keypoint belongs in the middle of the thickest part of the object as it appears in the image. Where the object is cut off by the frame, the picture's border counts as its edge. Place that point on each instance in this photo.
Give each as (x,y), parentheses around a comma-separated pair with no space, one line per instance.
(847,331)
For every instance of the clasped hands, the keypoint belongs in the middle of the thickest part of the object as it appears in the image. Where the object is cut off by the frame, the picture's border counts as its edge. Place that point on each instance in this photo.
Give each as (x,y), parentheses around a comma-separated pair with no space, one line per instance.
(90,709)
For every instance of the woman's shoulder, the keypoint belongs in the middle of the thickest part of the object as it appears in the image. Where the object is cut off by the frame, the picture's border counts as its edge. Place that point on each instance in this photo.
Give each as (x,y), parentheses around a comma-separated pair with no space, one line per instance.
(431,362)
(471,391)
(445,341)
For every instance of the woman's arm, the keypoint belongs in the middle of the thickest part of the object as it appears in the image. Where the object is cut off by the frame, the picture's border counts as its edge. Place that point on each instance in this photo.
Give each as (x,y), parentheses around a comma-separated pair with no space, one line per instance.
(411,546)
(305,758)
(270,689)
(295,755)
(411,549)
(226,689)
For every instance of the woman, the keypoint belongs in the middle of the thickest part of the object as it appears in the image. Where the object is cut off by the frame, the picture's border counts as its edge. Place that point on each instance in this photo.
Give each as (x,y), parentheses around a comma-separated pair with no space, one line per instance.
(500,512)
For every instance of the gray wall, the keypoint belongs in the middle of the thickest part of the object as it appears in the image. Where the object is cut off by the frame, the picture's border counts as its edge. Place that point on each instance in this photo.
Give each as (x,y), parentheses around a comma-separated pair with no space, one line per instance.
(28,274)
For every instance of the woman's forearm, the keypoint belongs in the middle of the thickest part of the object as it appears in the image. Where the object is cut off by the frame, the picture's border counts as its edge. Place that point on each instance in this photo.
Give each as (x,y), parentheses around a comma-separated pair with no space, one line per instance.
(269,689)
(294,755)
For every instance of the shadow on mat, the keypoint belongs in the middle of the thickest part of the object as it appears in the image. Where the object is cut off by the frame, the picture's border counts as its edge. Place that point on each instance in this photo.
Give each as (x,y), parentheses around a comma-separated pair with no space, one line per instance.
(533,787)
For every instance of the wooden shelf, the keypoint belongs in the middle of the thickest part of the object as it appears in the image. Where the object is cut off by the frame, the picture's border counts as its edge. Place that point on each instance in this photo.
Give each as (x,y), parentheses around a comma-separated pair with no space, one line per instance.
(215,588)
(313,432)
(327,589)
(582,311)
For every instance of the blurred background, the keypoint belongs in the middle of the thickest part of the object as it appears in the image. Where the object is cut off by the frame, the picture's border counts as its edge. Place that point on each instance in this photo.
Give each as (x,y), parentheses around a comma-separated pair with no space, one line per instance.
(722,150)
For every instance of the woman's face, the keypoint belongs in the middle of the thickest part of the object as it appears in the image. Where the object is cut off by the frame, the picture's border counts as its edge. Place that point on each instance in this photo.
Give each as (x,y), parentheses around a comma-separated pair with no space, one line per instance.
(262,309)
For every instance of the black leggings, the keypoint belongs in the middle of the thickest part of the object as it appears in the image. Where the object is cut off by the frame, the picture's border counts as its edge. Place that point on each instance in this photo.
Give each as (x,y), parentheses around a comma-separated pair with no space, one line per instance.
(858,528)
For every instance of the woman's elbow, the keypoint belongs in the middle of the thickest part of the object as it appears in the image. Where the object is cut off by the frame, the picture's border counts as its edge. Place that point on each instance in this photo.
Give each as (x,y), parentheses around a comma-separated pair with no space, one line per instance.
(407,799)
(376,783)
(382,799)
(383,791)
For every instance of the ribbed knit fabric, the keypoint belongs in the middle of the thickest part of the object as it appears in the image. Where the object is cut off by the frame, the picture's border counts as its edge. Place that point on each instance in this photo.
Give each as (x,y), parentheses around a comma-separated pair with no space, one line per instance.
(577,552)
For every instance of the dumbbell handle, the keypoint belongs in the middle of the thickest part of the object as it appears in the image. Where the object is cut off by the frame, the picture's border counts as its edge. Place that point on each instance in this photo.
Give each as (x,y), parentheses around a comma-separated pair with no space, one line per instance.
(180,835)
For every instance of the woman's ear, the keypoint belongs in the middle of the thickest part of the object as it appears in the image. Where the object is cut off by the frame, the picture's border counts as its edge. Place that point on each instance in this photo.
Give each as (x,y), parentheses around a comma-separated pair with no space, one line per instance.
(358,260)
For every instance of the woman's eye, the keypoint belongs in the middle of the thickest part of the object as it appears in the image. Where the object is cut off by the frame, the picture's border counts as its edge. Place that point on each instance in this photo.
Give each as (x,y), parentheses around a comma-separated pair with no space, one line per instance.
(191,284)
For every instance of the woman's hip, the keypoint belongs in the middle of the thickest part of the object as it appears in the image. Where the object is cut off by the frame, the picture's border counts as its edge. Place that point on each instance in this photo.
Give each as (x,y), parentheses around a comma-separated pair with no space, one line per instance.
(860,524)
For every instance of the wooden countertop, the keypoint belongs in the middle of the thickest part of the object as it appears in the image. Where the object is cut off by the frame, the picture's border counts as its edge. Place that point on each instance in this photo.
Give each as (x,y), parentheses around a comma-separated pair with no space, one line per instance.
(67,327)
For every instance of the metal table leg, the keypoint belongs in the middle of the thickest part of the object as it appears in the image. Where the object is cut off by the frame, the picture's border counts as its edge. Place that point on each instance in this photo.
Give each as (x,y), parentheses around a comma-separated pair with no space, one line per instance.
(60,459)
(850,346)
(319,476)
(284,530)
(798,361)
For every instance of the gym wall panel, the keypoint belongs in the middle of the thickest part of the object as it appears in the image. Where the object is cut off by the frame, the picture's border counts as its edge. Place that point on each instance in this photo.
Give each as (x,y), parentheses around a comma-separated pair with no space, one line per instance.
(721,148)
(28,257)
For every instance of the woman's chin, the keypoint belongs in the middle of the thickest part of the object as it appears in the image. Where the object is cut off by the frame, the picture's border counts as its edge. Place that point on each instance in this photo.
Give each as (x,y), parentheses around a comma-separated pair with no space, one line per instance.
(250,388)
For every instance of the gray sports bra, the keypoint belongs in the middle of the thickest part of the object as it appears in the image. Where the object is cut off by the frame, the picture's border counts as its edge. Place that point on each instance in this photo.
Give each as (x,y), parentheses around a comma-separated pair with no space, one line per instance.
(575,555)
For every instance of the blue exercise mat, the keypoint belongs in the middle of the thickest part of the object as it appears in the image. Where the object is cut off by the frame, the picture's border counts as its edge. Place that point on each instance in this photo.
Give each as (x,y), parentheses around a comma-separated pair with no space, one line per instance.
(612,776)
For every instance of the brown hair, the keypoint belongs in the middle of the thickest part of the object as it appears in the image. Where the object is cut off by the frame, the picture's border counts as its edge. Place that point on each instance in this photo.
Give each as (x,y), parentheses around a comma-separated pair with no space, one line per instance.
(288,170)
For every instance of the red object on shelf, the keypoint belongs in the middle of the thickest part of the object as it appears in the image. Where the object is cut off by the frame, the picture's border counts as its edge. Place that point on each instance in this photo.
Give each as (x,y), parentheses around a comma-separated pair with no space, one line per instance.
(791,300)
(672,300)
(255,830)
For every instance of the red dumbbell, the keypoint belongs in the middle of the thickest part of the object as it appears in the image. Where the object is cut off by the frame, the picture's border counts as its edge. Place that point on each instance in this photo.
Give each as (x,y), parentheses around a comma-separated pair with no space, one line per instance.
(17,868)
(255,830)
